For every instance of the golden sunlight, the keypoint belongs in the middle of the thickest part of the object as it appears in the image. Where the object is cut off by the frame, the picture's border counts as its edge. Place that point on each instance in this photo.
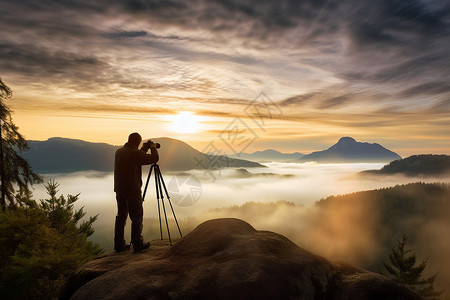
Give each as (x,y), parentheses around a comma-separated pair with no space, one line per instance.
(184,122)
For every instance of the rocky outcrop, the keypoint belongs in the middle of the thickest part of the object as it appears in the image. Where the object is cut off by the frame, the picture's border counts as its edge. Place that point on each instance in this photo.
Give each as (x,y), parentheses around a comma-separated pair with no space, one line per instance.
(227,259)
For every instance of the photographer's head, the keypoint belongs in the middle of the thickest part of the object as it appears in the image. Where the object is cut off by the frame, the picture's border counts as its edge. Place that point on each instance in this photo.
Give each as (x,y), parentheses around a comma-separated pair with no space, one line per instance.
(135,139)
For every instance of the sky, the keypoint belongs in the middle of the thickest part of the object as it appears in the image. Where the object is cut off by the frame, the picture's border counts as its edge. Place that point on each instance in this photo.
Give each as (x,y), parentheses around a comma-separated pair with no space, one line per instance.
(242,75)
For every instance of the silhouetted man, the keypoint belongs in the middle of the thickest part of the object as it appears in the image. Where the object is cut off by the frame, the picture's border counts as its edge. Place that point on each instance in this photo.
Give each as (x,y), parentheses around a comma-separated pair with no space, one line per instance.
(127,185)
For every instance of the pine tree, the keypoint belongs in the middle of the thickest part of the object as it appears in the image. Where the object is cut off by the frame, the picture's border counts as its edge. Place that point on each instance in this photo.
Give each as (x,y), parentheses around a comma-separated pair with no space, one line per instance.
(402,268)
(41,243)
(14,170)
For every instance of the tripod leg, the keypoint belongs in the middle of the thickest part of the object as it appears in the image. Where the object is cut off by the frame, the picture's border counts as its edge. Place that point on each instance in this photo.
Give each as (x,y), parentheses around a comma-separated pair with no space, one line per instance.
(157,200)
(159,176)
(171,207)
(146,183)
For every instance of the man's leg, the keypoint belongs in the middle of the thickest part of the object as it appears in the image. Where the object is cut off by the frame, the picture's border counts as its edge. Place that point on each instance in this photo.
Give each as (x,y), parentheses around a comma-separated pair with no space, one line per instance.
(136,215)
(121,219)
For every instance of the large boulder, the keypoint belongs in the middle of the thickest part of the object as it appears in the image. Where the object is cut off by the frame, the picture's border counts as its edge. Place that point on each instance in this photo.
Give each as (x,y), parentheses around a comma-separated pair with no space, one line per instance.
(227,259)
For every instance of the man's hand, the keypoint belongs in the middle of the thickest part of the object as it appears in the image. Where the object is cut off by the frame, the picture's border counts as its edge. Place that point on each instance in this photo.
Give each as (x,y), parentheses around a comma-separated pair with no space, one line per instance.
(148,145)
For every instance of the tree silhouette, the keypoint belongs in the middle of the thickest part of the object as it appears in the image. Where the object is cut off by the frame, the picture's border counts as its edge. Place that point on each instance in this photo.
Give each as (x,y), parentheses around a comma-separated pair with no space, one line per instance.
(14,170)
(41,243)
(402,268)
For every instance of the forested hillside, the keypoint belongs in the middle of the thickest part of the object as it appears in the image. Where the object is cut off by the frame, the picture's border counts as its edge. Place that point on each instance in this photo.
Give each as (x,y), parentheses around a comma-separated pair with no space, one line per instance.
(416,165)
(362,227)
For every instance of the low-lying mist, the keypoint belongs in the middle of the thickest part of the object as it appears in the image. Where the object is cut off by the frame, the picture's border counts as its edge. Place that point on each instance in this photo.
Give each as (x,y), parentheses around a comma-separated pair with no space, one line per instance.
(280,198)
(297,183)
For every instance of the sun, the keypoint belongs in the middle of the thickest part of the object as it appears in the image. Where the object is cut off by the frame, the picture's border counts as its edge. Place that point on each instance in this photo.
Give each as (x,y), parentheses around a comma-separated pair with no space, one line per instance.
(184,122)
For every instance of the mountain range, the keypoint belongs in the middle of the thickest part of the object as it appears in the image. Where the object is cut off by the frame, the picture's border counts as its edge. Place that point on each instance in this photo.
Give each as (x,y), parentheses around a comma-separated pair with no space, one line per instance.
(62,155)
(269,155)
(347,149)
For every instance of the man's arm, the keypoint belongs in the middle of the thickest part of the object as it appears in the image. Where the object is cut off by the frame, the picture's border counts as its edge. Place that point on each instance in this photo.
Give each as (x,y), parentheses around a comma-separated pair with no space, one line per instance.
(151,158)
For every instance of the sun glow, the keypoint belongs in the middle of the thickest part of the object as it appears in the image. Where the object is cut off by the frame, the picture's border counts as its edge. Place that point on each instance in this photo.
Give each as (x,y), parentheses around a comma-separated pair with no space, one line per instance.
(184,122)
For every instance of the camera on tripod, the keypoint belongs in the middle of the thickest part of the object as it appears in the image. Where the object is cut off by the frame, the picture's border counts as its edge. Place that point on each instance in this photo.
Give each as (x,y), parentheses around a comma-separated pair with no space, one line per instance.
(149,143)
(160,189)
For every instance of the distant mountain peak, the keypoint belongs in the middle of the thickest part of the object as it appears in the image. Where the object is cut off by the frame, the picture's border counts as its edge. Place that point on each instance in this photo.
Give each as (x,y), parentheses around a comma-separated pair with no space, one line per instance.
(269,155)
(267,151)
(346,140)
(344,143)
(347,149)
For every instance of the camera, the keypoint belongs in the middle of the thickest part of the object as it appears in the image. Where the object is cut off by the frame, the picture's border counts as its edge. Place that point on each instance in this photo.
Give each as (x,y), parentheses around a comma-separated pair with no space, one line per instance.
(149,144)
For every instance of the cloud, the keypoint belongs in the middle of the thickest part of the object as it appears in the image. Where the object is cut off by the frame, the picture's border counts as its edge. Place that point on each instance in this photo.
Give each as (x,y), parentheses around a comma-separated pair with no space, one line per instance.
(343,63)
(441,107)
(127,34)
(429,88)
(45,62)
(392,30)
(335,96)
(253,20)
(298,99)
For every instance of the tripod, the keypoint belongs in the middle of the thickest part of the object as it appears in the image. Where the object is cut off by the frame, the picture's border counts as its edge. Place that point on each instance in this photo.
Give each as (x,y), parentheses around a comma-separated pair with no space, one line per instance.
(159,182)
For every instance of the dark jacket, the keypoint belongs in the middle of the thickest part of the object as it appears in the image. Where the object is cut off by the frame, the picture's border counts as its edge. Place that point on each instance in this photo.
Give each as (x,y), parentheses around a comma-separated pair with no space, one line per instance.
(128,168)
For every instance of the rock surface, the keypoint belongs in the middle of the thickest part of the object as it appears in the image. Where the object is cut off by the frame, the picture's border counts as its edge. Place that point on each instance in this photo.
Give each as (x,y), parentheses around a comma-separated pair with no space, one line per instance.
(227,259)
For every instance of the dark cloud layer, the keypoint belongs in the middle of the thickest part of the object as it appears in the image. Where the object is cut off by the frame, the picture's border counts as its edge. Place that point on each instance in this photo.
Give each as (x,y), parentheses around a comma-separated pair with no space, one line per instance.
(127,34)
(387,43)
(333,97)
(429,88)
(46,62)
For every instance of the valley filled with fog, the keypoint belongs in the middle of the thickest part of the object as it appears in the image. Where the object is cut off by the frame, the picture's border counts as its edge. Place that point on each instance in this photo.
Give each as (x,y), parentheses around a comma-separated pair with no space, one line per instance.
(299,183)
(281,198)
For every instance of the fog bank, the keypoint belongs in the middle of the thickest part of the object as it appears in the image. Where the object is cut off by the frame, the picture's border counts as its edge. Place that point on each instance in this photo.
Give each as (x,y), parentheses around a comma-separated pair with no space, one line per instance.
(337,232)
(298,183)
